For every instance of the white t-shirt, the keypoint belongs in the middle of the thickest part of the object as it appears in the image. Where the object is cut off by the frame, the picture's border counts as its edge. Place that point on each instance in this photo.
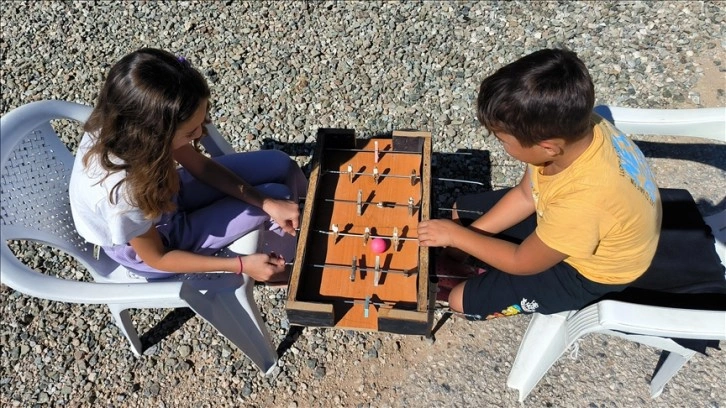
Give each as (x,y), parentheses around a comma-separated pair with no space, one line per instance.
(97,219)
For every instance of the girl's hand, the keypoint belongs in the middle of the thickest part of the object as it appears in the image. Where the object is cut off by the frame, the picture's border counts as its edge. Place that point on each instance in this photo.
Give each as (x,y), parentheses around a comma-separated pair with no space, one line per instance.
(264,267)
(285,213)
(437,233)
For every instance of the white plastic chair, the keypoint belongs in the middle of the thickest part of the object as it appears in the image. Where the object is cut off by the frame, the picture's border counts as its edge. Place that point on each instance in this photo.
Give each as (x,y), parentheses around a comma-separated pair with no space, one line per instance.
(36,168)
(549,336)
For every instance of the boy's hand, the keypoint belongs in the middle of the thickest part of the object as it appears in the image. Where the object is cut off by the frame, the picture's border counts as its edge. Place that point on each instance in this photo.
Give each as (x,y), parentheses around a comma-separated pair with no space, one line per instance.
(264,267)
(437,233)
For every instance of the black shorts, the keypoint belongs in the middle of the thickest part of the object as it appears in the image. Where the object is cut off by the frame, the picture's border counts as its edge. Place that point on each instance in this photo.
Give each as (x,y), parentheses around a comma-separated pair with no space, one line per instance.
(495,293)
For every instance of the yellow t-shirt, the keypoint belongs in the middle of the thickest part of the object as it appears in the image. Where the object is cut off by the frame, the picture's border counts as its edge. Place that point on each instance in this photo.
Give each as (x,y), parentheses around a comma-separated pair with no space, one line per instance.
(603,211)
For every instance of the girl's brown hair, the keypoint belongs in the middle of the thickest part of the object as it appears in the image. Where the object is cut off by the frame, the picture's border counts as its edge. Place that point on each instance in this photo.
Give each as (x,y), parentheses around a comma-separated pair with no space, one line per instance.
(146,96)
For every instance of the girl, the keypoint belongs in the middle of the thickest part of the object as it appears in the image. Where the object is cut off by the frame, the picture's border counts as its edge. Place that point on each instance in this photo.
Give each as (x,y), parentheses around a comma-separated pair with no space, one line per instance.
(128,196)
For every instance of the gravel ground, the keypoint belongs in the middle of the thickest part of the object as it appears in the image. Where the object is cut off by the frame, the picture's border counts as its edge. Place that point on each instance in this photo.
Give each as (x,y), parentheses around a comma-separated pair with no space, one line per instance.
(280,70)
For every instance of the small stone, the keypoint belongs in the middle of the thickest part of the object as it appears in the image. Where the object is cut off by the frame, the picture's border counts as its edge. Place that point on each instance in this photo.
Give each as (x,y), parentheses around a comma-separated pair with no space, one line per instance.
(43,398)
(152,390)
(320,372)
(184,351)
(247,390)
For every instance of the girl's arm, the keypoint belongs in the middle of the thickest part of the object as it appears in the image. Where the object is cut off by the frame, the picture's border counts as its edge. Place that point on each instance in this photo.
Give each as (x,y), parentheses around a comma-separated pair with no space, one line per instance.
(285,212)
(149,247)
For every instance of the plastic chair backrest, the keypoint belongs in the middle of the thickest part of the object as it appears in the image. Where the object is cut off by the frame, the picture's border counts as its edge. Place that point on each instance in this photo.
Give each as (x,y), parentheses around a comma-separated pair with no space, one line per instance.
(36,169)
(706,123)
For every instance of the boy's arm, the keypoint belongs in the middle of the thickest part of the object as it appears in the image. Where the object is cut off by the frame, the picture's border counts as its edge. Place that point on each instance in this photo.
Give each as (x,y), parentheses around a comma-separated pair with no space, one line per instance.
(516,205)
(530,257)
(285,212)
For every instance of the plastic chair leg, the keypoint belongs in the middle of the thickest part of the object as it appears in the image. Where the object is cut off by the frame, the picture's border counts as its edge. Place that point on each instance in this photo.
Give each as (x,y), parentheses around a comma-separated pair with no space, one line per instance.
(670,367)
(123,321)
(544,342)
(235,315)
(266,349)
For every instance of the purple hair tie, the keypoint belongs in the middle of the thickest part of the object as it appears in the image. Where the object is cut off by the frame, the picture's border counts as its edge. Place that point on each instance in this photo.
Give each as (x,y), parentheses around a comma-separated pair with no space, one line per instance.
(181,59)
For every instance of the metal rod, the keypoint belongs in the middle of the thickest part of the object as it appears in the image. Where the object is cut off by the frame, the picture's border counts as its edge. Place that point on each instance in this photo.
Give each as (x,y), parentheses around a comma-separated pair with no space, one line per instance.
(383,152)
(458,180)
(348,234)
(452,276)
(404,176)
(447,310)
(460,210)
(380,204)
(346,267)
(356,268)
(372,174)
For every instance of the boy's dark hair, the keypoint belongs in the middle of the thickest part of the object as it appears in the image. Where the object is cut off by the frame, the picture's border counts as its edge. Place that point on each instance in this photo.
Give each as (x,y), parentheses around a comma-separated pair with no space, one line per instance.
(146,96)
(544,95)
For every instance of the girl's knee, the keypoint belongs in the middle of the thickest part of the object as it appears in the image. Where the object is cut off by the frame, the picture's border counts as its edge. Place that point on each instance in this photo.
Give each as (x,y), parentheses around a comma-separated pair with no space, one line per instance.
(276,190)
(278,159)
(279,165)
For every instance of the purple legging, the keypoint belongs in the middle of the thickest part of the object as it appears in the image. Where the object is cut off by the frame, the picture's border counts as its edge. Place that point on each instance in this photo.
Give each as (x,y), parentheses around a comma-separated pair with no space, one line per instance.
(207,220)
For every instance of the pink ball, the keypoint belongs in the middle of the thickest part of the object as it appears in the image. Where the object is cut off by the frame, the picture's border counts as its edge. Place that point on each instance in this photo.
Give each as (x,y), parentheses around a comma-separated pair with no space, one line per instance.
(379,245)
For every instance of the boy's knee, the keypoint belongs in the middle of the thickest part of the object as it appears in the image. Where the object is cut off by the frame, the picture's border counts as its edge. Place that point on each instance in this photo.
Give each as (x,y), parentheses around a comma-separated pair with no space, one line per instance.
(456,298)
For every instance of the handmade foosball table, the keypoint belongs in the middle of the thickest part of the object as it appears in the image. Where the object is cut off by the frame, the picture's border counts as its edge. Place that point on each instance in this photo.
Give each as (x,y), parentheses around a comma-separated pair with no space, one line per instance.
(358,264)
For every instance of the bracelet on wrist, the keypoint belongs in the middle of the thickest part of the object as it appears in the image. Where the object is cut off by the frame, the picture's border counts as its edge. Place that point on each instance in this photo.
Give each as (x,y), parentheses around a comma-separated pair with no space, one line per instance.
(241,265)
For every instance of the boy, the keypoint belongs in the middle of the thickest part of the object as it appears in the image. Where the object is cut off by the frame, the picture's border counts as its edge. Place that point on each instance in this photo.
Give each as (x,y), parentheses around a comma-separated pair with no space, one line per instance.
(583,221)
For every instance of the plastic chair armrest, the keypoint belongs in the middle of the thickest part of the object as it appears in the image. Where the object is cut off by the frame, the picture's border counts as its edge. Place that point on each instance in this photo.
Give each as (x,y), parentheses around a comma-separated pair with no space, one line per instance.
(215,143)
(662,321)
(20,277)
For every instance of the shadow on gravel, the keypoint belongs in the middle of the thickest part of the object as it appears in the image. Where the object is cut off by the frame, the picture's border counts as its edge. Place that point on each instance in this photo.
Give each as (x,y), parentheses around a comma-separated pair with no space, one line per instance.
(711,154)
(168,325)
(290,338)
(444,318)
(466,171)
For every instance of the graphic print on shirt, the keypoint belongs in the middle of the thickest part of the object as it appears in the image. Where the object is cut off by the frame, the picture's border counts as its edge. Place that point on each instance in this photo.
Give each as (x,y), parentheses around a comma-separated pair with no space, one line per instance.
(633,165)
